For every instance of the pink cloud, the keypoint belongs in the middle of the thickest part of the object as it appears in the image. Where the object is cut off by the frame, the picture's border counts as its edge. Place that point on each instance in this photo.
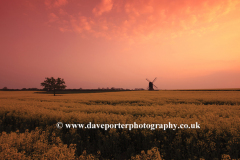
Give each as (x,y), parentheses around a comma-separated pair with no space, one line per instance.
(84,23)
(55,3)
(75,26)
(59,3)
(104,6)
(134,18)
(47,3)
(53,17)
(81,24)
(62,12)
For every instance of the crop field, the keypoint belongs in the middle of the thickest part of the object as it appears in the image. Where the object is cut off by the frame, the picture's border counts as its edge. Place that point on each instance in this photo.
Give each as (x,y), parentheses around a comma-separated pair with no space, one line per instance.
(28,125)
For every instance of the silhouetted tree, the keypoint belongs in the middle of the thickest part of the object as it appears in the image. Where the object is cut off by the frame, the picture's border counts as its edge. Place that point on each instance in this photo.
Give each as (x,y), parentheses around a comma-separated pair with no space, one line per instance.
(5,88)
(53,84)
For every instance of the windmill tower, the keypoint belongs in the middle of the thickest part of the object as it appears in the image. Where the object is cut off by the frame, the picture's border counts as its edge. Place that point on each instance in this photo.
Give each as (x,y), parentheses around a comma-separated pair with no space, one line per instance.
(150,86)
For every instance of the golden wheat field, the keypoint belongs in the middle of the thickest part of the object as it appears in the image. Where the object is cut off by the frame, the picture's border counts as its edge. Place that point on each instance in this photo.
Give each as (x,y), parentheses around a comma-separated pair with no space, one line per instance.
(28,125)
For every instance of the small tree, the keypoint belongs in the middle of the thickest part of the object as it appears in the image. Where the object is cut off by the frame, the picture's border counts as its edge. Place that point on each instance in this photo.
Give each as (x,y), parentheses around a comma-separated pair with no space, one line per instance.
(53,84)
(5,88)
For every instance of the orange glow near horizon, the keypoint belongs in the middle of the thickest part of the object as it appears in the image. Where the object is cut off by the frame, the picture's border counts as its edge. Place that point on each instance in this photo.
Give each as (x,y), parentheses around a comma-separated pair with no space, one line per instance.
(186,44)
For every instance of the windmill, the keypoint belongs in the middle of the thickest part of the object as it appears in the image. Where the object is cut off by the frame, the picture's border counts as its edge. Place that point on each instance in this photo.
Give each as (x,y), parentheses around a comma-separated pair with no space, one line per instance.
(150,87)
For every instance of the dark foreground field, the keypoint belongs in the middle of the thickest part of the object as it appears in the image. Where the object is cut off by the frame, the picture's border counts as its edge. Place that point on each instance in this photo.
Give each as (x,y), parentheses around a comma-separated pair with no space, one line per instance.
(28,125)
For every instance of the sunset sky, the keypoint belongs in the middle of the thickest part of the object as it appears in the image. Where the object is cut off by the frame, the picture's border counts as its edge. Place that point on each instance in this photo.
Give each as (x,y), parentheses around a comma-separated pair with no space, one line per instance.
(186,44)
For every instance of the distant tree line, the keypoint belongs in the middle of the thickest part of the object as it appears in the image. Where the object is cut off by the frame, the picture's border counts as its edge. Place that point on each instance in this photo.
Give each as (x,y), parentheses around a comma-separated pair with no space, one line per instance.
(23,89)
(80,89)
(52,84)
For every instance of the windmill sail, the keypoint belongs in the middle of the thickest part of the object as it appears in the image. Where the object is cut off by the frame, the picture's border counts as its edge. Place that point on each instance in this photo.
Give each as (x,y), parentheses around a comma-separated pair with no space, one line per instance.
(150,85)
